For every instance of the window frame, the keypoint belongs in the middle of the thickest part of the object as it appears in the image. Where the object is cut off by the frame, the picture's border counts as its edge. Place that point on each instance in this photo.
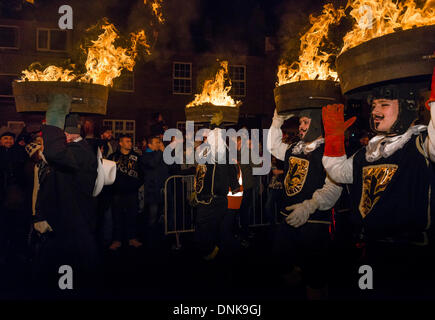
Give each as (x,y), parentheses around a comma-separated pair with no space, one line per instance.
(112,123)
(18,36)
(181,78)
(49,40)
(240,81)
(8,74)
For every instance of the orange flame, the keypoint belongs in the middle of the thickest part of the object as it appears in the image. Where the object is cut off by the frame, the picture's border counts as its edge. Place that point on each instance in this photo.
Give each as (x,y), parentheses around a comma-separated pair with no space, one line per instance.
(215,91)
(312,63)
(375,18)
(156,6)
(104,61)
(51,73)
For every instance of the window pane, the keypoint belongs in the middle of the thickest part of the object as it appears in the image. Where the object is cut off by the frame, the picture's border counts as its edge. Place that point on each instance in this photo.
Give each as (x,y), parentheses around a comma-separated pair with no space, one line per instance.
(119,125)
(57,40)
(129,126)
(8,37)
(43,39)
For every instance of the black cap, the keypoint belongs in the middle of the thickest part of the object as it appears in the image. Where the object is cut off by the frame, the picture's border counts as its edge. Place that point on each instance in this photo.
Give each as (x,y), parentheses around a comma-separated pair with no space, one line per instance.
(72,123)
(8,134)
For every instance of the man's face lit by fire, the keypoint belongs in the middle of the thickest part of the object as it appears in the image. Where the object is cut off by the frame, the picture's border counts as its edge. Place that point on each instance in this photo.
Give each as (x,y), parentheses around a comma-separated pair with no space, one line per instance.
(7,141)
(304,125)
(125,143)
(384,114)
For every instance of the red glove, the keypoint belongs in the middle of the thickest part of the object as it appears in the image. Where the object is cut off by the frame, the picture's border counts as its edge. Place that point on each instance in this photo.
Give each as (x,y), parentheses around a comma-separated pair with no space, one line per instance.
(432,93)
(333,122)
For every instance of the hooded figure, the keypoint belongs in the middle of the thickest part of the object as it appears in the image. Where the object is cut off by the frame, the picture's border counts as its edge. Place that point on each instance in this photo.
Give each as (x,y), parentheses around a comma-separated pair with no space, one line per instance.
(302,237)
(391,185)
(64,206)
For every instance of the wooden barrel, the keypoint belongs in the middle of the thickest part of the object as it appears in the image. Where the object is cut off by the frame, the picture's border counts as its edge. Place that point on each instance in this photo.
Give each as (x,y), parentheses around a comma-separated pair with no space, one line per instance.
(204,113)
(32,96)
(397,55)
(306,94)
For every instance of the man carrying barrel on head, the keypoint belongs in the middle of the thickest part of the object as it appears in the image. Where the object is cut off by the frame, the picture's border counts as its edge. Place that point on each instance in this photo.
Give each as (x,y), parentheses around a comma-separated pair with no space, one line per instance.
(392,180)
(301,240)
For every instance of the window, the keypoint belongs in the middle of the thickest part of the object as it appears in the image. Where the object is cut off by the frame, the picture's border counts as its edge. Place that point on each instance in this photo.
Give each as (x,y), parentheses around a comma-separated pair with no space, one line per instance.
(51,40)
(125,82)
(9,37)
(6,84)
(127,127)
(238,80)
(181,78)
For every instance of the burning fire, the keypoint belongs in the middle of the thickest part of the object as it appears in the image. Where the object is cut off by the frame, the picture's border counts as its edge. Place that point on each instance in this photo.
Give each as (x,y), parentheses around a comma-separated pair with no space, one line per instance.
(51,73)
(104,61)
(156,6)
(312,63)
(215,91)
(375,18)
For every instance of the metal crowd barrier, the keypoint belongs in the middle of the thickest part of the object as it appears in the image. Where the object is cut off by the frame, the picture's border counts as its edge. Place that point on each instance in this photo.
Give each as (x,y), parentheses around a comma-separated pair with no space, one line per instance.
(180,215)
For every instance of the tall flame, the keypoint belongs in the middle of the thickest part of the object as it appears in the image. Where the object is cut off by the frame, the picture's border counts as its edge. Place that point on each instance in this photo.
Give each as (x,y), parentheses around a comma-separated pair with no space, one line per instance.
(375,18)
(312,63)
(104,61)
(156,6)
(215,91)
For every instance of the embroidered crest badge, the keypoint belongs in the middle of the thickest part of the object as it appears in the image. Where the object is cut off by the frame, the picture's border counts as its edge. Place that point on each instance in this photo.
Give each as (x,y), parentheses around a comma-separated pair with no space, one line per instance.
(375,180)
(198,182)
(296,175)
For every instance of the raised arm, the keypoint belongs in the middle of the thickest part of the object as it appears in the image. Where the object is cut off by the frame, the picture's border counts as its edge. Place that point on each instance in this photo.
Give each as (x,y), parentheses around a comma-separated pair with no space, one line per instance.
(274,136)
(335,162)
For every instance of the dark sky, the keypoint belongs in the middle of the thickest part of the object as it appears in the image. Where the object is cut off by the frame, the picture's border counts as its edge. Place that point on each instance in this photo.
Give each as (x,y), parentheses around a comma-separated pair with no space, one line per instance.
(198,25)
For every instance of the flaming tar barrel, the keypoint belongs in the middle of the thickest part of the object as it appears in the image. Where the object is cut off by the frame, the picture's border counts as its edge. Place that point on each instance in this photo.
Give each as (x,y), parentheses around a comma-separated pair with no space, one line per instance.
(305,94)
(397,55)
(31,96)
(204,112)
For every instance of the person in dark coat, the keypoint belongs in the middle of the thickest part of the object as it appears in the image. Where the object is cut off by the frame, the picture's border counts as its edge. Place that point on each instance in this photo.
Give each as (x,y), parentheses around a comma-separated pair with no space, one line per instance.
(64,205)
(125,194)
(14,209)
(155,174)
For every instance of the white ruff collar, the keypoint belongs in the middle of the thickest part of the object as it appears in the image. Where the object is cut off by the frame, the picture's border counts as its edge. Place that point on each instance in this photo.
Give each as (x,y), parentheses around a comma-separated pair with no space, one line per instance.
(306,148)
(383,146)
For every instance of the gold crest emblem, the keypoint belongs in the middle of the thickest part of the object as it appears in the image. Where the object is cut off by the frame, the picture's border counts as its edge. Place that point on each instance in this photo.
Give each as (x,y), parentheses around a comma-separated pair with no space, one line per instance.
(375,180)
(198,182)
(297,173)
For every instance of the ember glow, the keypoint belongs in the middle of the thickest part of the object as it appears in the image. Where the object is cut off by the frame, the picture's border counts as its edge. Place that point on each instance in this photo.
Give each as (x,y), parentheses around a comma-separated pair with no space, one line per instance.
(104,60)
(312,63)
(375,18)
(215,91)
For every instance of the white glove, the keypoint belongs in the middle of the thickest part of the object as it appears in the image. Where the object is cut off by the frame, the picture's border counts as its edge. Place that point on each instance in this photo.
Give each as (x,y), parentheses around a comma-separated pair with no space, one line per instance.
(278,119)
(301,212)
(42,227)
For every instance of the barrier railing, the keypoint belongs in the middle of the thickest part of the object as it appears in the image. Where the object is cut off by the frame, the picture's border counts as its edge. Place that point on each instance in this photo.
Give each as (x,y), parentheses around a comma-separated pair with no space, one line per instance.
(180,215)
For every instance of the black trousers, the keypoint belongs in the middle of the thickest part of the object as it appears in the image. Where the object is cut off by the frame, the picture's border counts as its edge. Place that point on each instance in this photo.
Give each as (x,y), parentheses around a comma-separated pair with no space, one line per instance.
(209,225)
(306,247)
(124,214)
(400,271)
